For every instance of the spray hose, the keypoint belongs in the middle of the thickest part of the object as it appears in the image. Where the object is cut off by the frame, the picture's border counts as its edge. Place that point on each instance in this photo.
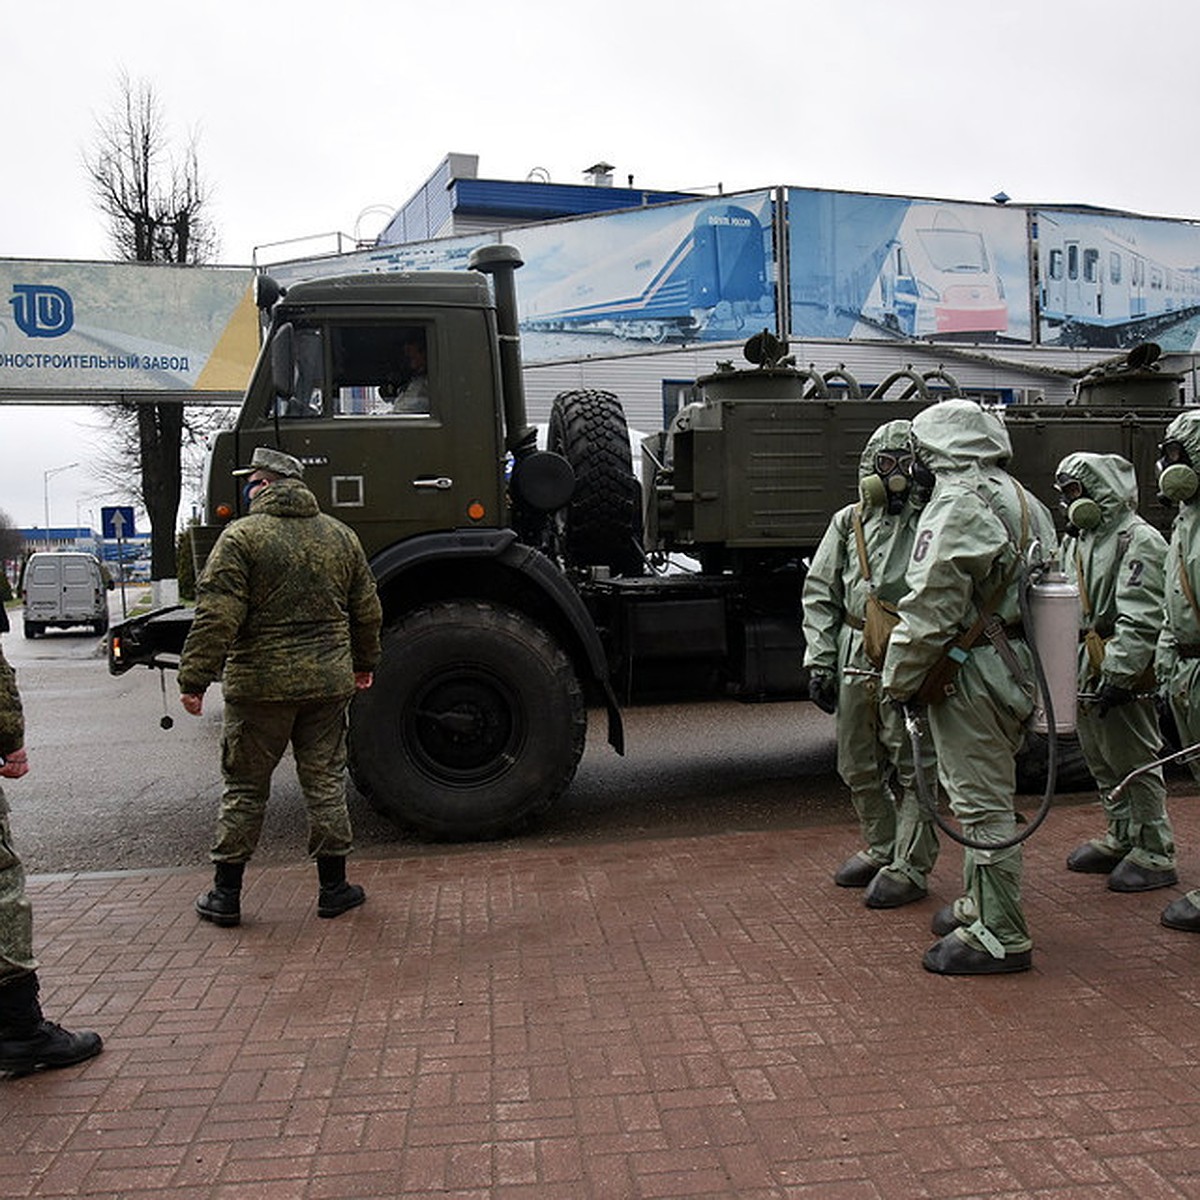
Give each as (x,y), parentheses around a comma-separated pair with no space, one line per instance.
(912,723)
(1187,754)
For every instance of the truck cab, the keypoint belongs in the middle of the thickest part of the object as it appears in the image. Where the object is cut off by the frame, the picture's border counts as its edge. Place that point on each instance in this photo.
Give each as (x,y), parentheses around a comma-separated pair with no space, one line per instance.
(339,377)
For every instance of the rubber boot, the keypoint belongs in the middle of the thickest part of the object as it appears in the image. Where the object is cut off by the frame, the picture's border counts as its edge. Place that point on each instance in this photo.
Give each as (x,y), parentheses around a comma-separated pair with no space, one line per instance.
(28,1042)
(222,904)
(336,895)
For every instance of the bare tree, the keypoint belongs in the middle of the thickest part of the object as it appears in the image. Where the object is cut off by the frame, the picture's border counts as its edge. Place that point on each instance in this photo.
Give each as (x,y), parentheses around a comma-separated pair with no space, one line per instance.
(155,204)
(11,541)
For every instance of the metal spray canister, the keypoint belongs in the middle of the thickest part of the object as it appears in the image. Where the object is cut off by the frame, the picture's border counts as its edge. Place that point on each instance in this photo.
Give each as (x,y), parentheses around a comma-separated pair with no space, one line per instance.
(1054,612)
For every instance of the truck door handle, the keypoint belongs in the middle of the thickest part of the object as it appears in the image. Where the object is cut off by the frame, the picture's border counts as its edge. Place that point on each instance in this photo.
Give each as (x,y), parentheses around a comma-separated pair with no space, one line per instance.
(441,482)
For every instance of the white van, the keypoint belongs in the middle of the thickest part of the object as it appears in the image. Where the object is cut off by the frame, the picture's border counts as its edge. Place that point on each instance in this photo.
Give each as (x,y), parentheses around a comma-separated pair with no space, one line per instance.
(64,588)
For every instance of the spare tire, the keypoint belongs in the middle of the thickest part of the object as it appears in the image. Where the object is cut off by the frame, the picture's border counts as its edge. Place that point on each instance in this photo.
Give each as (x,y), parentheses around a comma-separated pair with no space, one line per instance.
(601,526)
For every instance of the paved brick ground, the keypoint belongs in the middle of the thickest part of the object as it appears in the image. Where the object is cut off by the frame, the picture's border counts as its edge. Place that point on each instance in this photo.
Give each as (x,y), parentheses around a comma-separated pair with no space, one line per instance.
(691,1017)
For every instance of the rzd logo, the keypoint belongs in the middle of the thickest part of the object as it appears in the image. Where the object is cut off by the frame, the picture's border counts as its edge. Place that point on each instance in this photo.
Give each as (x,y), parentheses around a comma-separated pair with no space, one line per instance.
(42,310)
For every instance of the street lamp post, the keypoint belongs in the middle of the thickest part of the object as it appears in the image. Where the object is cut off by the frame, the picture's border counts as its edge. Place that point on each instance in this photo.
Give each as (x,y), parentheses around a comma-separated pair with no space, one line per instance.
(47,475)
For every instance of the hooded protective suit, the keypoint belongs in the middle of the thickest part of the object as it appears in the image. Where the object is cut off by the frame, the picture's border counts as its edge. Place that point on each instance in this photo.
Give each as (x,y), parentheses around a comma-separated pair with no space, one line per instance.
(978,528)
(1177,659)
(872,745)
(1118,566)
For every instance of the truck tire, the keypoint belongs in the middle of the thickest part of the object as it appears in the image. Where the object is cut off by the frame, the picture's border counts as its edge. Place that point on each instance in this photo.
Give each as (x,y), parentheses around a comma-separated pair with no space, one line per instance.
(1033,762)
(475,722)
(602,524)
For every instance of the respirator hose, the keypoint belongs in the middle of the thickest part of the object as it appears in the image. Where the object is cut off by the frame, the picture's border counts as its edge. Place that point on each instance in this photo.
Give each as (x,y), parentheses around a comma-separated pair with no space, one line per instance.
(912,724)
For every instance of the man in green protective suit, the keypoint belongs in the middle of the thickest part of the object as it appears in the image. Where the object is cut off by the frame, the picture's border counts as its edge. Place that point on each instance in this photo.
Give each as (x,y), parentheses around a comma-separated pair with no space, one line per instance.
(288,618)
(1177,660)
(860,565)
(960,647)
(1116,559)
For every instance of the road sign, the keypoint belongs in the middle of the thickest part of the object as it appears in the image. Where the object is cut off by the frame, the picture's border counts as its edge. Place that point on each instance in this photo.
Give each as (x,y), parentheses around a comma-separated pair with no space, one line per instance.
(117,522)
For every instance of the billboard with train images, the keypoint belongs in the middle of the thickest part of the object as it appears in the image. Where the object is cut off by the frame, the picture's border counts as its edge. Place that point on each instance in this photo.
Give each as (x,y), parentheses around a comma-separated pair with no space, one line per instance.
(1113,281)
(892,267)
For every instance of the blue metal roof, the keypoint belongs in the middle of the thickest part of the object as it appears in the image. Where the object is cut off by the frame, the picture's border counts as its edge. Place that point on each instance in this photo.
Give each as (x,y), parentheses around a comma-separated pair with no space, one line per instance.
(535,201)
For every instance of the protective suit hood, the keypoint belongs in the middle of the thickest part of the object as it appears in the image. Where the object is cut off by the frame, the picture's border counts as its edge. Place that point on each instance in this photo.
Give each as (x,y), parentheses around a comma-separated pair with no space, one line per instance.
(892,435)
(1108,479)
(1186,429)
(955,435)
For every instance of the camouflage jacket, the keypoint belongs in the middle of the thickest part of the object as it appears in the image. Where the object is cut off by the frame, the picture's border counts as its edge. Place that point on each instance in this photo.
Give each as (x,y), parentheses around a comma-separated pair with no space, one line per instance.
(12,720)
(286,606)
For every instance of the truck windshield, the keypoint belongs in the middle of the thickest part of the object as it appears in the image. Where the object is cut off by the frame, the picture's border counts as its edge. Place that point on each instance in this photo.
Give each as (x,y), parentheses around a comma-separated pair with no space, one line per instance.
(379,369)
(370,370)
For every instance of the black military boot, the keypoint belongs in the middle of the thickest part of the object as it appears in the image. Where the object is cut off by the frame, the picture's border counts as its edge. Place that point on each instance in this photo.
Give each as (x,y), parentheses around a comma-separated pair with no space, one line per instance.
(222,904)
(336,895)
(28,1042)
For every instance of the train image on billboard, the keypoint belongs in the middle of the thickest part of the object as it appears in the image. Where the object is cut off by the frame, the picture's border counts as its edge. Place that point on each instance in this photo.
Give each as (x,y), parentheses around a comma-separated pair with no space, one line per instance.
(1099,288)
(713,280)
(937,279)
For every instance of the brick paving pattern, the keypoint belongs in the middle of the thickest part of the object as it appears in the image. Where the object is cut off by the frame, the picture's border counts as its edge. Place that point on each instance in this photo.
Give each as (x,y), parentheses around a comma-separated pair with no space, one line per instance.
(681,1017)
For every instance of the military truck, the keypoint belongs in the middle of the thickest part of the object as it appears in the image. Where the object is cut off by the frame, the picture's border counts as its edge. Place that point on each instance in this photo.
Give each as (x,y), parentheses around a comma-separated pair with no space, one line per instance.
(524,583)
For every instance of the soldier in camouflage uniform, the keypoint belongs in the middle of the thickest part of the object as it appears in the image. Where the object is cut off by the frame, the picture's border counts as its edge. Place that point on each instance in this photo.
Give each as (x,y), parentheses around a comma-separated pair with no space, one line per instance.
(28,1042)
(288,617)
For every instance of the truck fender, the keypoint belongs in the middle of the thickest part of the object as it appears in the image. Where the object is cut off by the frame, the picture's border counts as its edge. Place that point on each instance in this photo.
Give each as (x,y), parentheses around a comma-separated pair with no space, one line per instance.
(503,546)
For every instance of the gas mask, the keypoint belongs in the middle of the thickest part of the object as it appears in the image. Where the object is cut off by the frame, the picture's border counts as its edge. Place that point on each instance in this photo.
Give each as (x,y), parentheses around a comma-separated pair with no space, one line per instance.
(1177,478)
(1081,511)
(888,485)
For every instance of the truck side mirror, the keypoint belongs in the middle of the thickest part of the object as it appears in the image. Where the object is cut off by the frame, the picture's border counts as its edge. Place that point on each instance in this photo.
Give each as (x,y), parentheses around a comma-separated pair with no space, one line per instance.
(283,361)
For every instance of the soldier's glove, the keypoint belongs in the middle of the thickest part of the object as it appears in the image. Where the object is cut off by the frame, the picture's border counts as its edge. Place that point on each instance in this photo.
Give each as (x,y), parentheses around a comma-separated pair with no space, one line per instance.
(823,690)
(1111,696)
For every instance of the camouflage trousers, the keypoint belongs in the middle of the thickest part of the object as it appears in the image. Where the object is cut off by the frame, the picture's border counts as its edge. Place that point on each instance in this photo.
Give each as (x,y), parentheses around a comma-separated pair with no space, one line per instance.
(254,738)
(16,914)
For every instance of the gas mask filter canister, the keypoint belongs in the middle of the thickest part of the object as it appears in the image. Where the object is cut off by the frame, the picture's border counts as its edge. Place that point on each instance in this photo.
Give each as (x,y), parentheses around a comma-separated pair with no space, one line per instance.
(1178,483)
(1084,513)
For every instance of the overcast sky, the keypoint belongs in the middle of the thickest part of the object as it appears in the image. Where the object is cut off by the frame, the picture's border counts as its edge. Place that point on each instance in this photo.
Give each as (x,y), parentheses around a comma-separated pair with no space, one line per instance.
(316,117)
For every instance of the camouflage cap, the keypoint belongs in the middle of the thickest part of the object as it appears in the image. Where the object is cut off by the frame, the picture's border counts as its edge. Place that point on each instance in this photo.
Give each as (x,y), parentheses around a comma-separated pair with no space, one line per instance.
(266,458)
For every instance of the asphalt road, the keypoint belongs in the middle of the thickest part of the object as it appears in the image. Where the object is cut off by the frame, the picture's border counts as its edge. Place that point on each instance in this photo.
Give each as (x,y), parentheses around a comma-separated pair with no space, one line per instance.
(108,789)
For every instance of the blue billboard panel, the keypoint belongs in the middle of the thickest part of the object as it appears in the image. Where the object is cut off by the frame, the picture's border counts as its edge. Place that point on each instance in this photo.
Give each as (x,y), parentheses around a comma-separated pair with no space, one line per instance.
(699,271)
(1116,281)
(864,266)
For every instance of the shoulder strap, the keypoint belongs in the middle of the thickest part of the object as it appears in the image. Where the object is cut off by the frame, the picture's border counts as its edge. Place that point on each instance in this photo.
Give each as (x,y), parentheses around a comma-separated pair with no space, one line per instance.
(1085,600)
(861,541)
(1188,591)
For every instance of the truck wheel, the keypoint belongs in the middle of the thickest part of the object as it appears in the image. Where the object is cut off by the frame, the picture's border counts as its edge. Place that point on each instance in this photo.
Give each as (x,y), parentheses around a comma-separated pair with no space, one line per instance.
(1033,761)
(602,524)
(476,722)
